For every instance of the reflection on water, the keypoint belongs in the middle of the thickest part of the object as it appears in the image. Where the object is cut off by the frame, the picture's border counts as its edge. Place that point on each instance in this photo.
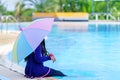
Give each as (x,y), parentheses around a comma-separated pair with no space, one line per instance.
(92,28)
(104,27)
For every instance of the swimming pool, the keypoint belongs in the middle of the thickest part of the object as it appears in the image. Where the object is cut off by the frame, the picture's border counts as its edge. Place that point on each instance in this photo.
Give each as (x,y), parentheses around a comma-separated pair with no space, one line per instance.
(87,53)
(3,78)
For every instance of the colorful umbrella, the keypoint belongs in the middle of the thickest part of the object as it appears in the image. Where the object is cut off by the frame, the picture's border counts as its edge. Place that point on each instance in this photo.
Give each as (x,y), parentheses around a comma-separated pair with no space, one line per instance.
(30,37)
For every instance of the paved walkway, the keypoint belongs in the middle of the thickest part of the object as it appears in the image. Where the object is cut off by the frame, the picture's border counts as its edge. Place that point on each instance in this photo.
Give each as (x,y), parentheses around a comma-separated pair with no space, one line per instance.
(12,75)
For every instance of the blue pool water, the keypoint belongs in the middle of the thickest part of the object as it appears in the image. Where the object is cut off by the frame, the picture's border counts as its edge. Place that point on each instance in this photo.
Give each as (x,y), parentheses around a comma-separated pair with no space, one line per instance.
(3,78)
(90,53)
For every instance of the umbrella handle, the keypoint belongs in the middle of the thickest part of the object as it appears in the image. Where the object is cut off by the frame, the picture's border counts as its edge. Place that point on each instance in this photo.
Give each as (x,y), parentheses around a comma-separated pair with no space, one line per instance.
(20,28)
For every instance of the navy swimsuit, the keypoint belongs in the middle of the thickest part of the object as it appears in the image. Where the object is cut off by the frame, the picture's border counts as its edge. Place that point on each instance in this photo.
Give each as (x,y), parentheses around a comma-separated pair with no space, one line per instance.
(35,67)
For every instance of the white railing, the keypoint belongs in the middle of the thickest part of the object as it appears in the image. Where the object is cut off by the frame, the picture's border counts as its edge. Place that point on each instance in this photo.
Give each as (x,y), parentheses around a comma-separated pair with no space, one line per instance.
(4,20)
(102,16)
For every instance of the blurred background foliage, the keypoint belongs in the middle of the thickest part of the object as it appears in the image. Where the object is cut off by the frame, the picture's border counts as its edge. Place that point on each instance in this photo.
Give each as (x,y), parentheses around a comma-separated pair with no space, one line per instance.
(24,8)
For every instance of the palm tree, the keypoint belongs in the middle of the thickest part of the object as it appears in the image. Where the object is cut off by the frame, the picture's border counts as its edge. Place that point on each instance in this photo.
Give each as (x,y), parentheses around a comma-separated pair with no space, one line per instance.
(2,9)
(84,5)
(61,5)
(18,9)
(38,4)
(51,6)
(66,6)
(76,5)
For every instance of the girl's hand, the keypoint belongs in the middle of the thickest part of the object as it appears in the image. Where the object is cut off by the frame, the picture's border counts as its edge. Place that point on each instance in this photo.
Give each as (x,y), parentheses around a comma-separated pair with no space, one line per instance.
(52,57)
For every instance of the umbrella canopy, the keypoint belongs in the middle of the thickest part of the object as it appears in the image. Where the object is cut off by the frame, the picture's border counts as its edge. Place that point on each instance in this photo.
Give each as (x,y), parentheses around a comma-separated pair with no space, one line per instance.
(30,37)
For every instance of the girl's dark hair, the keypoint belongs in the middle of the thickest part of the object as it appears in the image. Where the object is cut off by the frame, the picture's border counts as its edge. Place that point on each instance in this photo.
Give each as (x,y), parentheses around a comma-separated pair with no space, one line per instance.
(43,50)
(26,58)
(43,47)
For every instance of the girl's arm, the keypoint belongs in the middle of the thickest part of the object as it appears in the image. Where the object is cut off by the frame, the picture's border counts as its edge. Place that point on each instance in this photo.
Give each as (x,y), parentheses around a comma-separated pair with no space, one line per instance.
(38,55)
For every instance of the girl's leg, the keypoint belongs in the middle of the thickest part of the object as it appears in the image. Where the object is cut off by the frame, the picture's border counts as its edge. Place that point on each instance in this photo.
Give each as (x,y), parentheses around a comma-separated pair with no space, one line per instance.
(54,72)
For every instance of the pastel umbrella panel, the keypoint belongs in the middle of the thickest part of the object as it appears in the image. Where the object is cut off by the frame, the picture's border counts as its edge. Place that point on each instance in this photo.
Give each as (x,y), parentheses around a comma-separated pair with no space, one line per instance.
(30,38)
